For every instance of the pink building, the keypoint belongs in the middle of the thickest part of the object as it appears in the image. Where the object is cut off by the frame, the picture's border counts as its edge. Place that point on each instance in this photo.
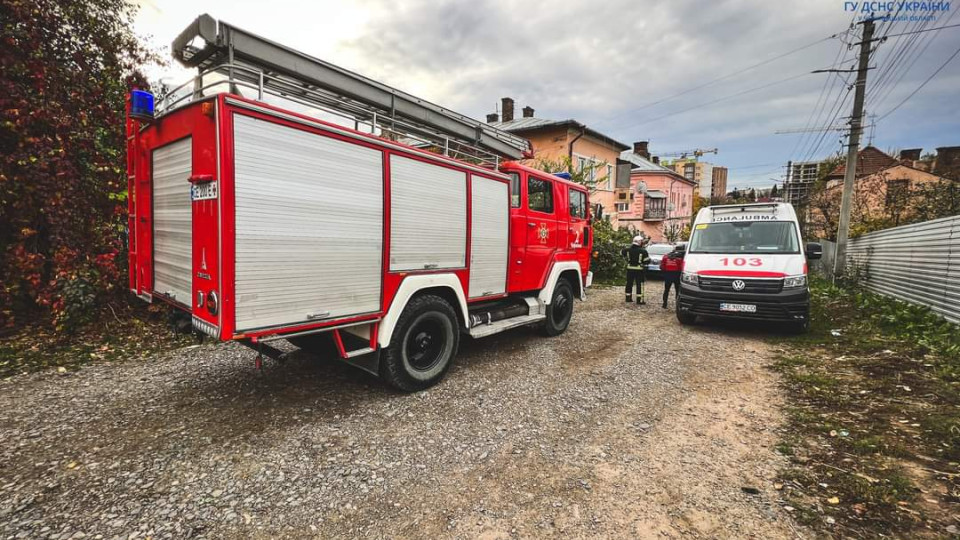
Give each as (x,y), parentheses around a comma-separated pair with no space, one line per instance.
(659,202)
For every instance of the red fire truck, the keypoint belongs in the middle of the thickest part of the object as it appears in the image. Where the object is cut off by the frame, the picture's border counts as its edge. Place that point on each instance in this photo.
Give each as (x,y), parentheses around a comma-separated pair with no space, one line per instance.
(277,196)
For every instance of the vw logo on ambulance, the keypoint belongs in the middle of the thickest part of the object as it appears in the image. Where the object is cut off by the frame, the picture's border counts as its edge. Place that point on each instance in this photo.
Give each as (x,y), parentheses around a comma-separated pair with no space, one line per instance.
(738,285)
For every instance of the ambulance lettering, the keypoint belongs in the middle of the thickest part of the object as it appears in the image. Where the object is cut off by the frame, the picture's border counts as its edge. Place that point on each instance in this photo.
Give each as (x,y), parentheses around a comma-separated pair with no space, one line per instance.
(741,261)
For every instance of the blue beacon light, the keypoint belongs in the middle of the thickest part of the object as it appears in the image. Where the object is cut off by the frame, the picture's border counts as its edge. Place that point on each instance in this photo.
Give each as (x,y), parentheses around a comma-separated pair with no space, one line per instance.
(141,105)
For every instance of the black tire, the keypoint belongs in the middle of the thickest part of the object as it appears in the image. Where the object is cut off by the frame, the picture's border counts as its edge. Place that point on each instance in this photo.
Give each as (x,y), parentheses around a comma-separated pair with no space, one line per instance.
(800,328)
(560,310)
(686,318)
(423,345)
(320,344)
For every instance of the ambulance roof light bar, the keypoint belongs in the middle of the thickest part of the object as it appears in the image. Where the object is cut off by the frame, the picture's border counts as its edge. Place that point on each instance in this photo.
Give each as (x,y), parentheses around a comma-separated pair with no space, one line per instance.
(208,44)
(727,208)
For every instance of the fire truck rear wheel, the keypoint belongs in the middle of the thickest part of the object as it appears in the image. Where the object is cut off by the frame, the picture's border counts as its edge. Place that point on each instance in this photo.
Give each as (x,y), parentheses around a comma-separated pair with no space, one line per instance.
(560,310)
(423,344)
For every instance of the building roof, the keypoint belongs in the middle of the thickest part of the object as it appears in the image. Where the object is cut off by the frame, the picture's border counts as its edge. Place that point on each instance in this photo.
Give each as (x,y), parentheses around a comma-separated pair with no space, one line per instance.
(834,182)
(870,160)
(520,125)
(643,165)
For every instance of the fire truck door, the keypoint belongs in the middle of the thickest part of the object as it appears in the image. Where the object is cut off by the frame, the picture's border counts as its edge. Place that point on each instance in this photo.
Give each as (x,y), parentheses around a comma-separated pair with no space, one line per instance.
(541,229)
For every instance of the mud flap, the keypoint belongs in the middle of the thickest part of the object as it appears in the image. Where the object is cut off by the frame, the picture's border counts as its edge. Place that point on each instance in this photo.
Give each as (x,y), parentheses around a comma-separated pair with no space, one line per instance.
(368,362)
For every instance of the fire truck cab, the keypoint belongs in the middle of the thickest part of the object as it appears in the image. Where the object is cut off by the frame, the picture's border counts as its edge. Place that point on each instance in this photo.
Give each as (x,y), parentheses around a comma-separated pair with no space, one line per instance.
(277,196)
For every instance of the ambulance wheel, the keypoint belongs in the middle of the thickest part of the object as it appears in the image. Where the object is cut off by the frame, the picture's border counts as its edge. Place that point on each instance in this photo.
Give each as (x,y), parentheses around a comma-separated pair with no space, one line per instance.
(560,310)
(800,327)
(423,345)
(686,318)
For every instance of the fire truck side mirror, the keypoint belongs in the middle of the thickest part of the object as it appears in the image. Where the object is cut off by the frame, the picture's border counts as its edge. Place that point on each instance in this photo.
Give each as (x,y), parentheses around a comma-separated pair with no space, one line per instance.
(597,213)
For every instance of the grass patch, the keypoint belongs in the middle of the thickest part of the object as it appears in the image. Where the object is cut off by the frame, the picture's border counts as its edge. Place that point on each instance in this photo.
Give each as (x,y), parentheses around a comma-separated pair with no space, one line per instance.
(120,333)
(873,416)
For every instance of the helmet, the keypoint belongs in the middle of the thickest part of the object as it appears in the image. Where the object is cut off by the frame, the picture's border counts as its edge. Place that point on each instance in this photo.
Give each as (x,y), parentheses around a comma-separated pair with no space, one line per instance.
(638,240)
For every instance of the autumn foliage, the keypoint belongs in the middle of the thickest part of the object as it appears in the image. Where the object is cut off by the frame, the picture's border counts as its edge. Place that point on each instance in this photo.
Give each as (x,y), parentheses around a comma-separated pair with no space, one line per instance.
(65,67)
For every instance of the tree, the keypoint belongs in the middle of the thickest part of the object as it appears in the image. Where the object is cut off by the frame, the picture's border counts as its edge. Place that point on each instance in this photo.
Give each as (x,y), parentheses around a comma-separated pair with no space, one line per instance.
(774,191)
(672,232)
(586,176)
(65,68)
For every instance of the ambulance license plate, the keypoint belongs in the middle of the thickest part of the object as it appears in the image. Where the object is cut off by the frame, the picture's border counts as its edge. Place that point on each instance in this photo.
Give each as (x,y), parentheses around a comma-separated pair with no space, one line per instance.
(742,308)
(204,191)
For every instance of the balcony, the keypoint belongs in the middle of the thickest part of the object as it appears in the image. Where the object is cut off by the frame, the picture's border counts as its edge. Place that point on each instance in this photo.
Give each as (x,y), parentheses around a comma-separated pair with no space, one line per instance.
(654,214)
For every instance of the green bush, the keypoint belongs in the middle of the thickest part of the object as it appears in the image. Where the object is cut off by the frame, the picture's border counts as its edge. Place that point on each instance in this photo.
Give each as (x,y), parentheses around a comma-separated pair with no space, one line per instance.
(608,266)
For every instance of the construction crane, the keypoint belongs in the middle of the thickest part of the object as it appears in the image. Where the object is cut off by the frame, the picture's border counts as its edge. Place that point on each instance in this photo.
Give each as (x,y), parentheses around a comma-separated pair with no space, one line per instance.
(682,154)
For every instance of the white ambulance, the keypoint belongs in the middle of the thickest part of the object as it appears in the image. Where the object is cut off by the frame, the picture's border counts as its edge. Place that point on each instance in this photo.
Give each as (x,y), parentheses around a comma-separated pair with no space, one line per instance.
(747,261)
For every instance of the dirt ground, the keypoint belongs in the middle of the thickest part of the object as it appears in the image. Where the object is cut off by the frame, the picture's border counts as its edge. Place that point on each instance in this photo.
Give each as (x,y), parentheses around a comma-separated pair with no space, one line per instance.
(628,425)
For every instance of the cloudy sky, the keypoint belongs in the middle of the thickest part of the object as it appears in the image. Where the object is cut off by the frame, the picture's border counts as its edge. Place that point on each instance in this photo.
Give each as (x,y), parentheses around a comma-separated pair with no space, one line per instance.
(635,70)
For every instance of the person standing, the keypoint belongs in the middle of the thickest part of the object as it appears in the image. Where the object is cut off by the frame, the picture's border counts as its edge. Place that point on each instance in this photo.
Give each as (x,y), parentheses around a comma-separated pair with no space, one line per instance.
(671,265)
(637,261)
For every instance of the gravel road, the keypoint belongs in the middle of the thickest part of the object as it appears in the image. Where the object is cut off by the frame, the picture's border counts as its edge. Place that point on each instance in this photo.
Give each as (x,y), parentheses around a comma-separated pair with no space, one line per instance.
(626,425)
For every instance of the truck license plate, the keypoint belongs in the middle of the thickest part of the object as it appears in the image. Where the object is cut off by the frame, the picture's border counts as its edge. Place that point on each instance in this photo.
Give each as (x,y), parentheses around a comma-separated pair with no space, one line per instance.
(744,308)
(204,191)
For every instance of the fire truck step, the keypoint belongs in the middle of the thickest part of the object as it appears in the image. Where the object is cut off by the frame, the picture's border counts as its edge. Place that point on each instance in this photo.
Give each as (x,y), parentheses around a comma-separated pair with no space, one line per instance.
(505,324)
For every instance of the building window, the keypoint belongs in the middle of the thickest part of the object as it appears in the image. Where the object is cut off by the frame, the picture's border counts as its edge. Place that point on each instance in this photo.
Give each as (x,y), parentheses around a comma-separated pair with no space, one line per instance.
(610,177)
(897,193)
(689,171)
(623,207)
(581,163)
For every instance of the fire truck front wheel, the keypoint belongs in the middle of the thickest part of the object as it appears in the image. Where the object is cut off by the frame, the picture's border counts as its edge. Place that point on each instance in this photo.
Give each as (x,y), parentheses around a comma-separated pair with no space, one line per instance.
(560,310)
(423,344)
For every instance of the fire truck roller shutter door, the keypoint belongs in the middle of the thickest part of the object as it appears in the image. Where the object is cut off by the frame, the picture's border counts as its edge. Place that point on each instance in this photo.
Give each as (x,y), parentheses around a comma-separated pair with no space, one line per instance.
(488,237)
(428,216)
(173,221)
(309,226)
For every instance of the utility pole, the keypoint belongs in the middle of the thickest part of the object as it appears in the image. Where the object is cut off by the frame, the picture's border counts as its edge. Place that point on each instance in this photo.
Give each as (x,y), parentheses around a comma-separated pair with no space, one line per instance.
(856,129)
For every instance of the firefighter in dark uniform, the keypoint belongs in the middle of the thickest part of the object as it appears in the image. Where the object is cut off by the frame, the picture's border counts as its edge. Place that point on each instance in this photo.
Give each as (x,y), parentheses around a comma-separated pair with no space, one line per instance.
(637,261)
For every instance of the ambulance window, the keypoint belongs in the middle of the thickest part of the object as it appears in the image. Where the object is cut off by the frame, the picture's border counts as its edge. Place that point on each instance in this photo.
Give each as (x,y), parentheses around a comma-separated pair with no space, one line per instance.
(539,195)
(578,204)
(514,190)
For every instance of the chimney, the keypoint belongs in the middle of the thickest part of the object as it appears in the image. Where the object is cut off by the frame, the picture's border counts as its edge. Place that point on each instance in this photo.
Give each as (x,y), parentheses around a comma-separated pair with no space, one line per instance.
(640,148)
(507,109)
(528,112)
(913,154)
(492,117)
(948,161)
(656,159)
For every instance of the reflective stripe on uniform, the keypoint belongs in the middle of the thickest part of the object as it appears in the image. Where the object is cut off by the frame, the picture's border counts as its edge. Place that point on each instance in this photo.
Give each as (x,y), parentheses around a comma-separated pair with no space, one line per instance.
(629,267)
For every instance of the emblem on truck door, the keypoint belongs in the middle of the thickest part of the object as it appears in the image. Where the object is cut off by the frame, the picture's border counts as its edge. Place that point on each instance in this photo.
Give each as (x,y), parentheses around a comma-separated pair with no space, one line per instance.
(738,285)
(543,233)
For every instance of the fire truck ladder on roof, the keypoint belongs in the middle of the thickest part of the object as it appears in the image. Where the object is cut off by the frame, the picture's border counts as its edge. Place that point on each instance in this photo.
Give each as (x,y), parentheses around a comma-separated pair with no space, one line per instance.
(228,56)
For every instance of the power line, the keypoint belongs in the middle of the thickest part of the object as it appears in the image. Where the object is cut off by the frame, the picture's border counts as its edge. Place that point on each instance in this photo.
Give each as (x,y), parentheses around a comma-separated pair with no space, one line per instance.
(924,30)
(881,97)
(731,96)
(898,54)
(924,83)
(725,77)
(829,81)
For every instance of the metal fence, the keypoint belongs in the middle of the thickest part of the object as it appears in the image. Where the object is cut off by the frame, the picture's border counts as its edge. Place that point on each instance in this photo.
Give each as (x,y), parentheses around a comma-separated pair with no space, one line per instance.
(917,263)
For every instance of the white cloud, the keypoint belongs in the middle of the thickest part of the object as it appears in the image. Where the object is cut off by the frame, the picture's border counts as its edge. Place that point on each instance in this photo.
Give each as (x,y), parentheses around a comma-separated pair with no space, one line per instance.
(599,62)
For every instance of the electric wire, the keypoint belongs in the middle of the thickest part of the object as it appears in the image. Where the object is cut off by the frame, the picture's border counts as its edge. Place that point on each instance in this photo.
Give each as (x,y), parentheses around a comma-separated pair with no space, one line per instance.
(924,83)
